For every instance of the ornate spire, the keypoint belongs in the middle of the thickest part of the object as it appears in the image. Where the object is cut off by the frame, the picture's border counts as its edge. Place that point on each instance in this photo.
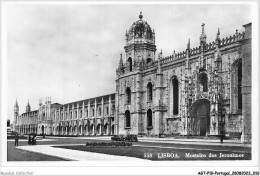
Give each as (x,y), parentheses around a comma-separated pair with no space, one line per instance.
(159,62)
(202,28)
(217,41)
(141,16)
(28,107)
(16,103)
(188,45)
(203,36)
(121,61)
(218,34)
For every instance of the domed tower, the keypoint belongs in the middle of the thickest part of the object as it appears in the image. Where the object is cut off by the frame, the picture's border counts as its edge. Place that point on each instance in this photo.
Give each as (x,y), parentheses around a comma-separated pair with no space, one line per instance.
(140,44)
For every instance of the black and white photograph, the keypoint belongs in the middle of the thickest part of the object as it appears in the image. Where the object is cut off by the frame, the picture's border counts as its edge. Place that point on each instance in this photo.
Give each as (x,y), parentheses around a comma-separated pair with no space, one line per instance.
(135,88)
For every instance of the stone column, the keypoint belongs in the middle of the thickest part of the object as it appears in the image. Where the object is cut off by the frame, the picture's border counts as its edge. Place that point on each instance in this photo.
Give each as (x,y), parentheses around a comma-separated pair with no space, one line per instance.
(117,109)
(95,116)
(246,84)
(140,125)
(158,115)
(109,115)
(89,113)
(102,117)
(81,129)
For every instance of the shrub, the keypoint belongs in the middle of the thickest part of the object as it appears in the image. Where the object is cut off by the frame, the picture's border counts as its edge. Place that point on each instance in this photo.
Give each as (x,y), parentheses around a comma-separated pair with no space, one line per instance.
(108,144)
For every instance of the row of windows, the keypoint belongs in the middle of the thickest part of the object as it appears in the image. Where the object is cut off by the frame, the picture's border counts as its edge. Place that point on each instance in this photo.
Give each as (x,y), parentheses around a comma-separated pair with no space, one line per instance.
(149,93)
(130,63)
(80,113)
(175,85)
(149,116)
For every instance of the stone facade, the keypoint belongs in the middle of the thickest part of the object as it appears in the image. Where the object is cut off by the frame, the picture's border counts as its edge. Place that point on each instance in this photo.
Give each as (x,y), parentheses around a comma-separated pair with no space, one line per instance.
(201,91)
(25,123)
(93,116)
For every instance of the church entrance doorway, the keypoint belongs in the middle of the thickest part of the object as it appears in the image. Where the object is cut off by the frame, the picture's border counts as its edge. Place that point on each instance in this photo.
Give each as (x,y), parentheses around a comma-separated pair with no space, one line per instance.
(200,117)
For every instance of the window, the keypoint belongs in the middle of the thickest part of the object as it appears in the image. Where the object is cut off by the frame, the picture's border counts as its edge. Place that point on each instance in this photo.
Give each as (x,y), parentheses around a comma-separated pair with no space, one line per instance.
(93,112)
(128,95)
(71,114)
(130,64)
(239,79)
(203,82)
(236,92)
(149,118)
(175,86)
(127,119)
(148,60)
(87,113)
(76,114)
(107,110)
(204,63)
(99,111)
(150,91)
(80,113)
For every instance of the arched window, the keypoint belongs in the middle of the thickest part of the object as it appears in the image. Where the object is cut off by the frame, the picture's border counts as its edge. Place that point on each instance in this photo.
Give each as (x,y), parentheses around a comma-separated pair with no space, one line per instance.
(99,111)
(130,64)
(80,113)
(149,91)
(203,82)
(128,95)
(127,119)
(236,93)
(239,80)
(149,118)
(107,110)
(204,63)
(175,86)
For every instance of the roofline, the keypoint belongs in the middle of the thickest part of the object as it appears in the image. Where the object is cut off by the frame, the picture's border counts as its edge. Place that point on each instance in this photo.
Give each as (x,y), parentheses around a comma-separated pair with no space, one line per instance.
(89,99)
(248,24)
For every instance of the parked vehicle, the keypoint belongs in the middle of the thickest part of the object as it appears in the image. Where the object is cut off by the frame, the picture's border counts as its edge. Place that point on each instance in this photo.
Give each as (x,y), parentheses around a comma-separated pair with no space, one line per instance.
(117,138)
(131,138)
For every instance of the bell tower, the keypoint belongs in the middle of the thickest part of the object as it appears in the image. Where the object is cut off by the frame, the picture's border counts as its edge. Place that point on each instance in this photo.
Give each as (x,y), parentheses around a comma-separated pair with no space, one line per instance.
(16,111)
(140,44)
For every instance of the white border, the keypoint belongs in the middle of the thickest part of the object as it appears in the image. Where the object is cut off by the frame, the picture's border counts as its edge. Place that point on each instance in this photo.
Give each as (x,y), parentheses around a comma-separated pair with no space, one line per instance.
(155,167)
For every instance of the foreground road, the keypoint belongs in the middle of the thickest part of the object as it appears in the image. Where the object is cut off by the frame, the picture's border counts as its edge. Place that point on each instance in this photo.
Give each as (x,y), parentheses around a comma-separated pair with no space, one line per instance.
(150,150)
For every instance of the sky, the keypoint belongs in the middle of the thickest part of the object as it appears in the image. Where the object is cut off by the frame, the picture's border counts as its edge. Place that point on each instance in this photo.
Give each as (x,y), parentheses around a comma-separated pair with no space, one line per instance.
(70,52)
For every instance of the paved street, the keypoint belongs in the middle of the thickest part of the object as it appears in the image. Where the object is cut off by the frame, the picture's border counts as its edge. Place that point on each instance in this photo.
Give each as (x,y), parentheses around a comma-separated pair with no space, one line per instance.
(73,148)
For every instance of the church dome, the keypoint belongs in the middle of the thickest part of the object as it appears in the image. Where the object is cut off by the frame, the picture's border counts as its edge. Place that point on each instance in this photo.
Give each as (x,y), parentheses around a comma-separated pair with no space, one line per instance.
(140,29)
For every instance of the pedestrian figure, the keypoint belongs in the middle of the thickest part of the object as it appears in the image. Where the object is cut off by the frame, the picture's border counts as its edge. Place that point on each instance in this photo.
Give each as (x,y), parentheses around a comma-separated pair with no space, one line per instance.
(16,138)
(29,140)
(34,139)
